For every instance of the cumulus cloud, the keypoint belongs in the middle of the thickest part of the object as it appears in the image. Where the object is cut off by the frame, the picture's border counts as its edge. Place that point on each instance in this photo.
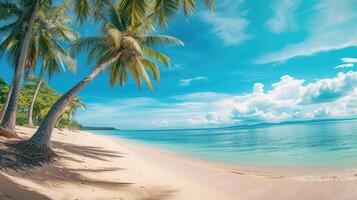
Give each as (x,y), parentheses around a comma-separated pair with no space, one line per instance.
(291,99)
(228,23)
(334,26)
(287,99)
(326,90)
(283,18)
(187,82)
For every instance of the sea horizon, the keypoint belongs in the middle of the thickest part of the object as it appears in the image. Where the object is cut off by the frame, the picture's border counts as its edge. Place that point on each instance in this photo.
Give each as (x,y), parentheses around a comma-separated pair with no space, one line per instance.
(258,124)
(322,143)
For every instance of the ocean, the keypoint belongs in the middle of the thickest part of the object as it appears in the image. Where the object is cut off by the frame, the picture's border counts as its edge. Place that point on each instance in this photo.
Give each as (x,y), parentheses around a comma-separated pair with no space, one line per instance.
(330,143)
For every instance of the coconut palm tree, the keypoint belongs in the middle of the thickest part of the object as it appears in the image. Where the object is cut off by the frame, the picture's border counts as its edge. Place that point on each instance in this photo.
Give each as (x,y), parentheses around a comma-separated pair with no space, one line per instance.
(159,9)
(25,13)
(50,31)
(25,25)
(123,50)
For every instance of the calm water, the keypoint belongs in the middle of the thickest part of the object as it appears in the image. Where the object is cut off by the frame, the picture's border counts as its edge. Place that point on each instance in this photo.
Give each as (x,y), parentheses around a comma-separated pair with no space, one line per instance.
(327,143)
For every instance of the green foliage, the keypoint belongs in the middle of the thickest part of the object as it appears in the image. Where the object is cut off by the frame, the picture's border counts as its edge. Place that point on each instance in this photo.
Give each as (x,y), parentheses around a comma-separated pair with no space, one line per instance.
(133,42)
(50,32)
(4,89)
(47,96)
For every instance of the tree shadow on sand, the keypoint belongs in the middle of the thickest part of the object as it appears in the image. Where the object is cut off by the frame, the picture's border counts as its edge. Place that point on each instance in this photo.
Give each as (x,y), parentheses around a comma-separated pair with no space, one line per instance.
(97,153)
(52,171)
(54,174)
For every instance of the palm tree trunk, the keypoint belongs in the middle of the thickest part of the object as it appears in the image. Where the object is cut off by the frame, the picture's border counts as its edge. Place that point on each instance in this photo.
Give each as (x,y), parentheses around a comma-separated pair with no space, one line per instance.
(9,121)
(43,134)
(6,103)
(39,82)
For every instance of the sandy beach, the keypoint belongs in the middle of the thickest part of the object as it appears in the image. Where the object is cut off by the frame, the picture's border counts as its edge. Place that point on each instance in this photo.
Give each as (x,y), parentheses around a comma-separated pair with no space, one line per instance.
(91,166)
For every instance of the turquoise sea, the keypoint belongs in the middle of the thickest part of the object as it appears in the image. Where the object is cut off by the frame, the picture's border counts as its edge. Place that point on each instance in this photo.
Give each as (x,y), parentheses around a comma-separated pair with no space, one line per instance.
(301,144)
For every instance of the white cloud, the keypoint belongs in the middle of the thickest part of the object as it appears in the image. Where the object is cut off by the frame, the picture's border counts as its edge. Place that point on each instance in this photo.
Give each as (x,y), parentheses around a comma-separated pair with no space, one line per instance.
(347,65)
(287,99)
(291,99)
(187,82)
(258,88)
(334,26)
(227,22)
(349,60)
(326,90)
(283,18)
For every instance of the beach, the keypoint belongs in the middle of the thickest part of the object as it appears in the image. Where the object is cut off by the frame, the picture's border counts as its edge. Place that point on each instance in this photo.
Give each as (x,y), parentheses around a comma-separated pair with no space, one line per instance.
(91,166)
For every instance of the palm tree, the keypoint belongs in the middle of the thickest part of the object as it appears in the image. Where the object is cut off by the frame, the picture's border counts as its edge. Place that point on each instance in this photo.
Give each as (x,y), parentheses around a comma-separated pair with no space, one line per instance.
(121,48)
(25,12)
(25,25)
(160,9)
(50,30)
(124,47)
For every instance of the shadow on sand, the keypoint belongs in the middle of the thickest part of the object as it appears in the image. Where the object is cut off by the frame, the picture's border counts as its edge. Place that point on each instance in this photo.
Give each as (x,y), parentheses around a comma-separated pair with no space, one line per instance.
(55,174)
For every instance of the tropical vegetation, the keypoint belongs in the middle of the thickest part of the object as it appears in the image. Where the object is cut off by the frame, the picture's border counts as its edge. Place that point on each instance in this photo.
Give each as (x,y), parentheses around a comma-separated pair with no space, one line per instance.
(46,97)
(50,30)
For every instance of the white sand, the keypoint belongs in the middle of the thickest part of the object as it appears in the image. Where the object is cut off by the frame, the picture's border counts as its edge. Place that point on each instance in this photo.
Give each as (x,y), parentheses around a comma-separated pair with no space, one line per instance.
(97,167)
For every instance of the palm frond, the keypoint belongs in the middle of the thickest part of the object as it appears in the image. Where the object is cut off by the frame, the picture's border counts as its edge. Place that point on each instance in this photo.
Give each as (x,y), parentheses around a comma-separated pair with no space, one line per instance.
(188,6)
(164,9)
(133,10)
(210,4)
(160,40)
(82,10)
(9,10)
(86,43)
(143,73)
(153,69)
(157,55)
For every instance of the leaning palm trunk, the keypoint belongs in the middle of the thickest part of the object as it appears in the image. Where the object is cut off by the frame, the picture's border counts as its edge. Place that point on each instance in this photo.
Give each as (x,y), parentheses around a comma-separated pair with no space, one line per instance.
(6,103)
(39,82)
(43,134)
(9,121)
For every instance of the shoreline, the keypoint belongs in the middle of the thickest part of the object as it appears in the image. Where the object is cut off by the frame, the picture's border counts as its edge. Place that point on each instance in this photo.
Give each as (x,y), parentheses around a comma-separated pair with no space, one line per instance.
(313,173)
(92,166)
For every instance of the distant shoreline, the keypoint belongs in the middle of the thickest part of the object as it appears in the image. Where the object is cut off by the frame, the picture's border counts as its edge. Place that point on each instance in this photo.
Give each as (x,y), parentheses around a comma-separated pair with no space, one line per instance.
(88,128)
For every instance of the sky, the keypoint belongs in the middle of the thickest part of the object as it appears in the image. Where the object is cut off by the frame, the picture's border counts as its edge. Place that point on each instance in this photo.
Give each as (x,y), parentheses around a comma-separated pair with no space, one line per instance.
(249,62)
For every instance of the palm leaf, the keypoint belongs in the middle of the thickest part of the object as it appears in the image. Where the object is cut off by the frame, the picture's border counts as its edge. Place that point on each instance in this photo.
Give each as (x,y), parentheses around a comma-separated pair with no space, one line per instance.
(133,10)
(139,65)
(164,9)
(160,41)
(153,69)
(82,10)
(156,55)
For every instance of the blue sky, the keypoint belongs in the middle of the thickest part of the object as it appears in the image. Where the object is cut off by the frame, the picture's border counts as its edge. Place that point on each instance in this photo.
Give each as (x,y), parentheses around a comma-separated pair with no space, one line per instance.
(249,62)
